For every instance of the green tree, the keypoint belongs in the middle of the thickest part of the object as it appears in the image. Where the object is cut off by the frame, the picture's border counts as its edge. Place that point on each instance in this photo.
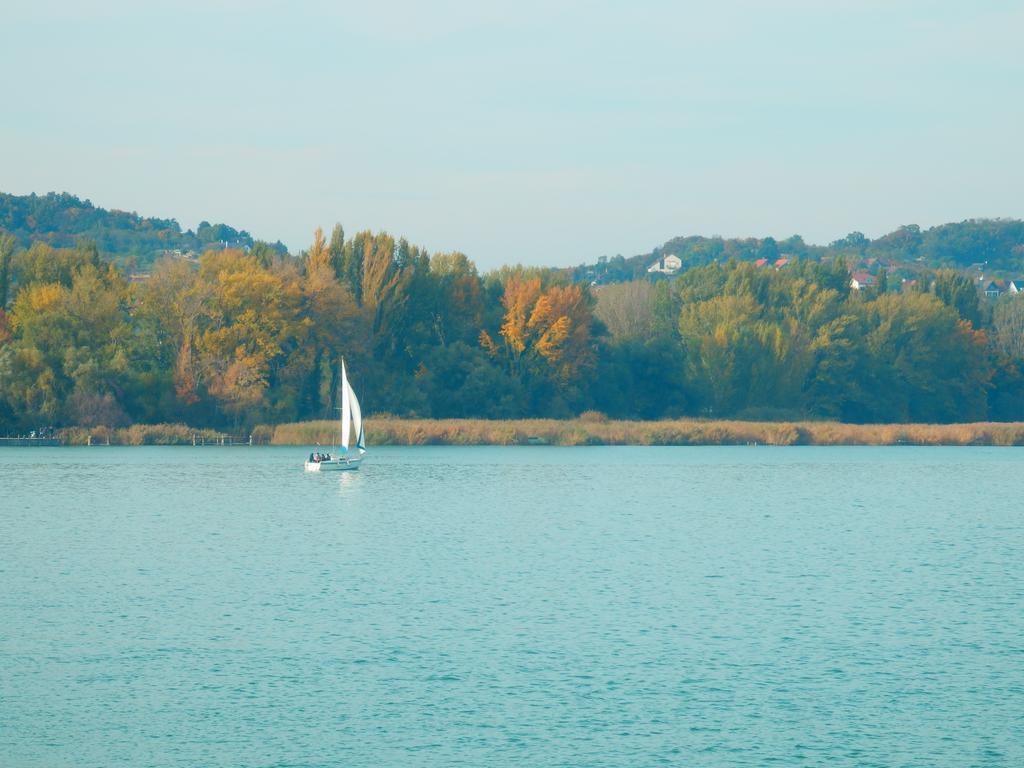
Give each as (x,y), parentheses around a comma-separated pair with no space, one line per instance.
(925,363)
(882,282)
(717,336)
(838,277)
(336,248)
(44,264)
(68,357)
(957,291)
(461,381)
(455,297)
(7,243)
(641,378)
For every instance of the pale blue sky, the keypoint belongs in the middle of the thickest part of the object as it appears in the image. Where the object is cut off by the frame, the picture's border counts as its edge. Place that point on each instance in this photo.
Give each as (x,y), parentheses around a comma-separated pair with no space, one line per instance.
(542,132)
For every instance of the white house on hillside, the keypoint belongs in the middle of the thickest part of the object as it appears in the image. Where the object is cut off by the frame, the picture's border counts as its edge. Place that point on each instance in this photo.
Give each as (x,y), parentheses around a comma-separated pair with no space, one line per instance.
(861,280)
(667,265)
(995,289)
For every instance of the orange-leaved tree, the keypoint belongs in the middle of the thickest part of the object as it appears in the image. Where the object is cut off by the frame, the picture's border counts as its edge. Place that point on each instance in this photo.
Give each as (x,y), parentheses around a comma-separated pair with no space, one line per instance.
(544,331)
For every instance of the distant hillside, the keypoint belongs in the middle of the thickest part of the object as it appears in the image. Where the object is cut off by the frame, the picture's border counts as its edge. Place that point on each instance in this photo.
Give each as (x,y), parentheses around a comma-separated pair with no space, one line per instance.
(62,220)
(998,244)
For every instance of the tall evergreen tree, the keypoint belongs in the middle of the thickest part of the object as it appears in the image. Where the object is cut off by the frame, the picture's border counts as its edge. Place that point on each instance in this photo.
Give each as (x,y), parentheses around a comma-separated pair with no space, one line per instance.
(6,255)
(336,249)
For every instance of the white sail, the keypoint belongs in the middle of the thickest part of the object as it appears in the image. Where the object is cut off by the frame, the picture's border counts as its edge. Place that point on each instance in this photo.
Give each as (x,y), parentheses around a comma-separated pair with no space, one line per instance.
(350,416)
(357,418)
(346,408)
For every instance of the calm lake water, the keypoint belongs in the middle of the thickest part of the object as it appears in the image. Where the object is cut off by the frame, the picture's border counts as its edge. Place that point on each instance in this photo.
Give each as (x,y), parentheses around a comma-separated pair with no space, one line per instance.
(512,606)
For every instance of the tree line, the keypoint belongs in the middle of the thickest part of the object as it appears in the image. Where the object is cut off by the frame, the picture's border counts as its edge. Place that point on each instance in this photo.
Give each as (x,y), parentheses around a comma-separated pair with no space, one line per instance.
(994,244)
(258,336)
(61,220)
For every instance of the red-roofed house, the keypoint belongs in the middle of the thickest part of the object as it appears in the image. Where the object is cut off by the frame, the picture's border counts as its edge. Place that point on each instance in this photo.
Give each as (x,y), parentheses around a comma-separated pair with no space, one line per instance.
(861,280)
(995,289)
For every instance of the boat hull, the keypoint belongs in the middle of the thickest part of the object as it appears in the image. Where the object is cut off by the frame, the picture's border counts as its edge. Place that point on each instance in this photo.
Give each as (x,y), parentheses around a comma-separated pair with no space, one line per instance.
(334,465)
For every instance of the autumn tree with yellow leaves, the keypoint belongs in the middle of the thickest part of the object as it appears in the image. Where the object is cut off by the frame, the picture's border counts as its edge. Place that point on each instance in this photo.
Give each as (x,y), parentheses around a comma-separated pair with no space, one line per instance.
(257,336)
(544,332)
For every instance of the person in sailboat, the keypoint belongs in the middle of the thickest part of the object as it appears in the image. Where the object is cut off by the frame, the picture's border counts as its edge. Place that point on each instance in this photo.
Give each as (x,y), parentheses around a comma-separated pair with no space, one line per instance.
(351,423)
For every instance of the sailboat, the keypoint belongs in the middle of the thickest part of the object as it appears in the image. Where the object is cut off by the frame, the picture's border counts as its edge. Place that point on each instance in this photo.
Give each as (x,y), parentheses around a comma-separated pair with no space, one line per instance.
(351,422)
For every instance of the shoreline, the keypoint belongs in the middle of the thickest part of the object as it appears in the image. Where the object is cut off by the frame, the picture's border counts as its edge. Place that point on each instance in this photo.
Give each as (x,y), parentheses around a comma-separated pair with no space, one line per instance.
(567,432)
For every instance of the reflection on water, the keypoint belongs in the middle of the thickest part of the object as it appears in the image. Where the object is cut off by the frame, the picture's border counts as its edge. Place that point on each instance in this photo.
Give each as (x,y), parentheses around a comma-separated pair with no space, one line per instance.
(350,483)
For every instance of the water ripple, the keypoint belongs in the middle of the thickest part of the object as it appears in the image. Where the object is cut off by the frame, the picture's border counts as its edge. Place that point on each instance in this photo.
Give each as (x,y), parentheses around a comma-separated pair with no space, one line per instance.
(520,606)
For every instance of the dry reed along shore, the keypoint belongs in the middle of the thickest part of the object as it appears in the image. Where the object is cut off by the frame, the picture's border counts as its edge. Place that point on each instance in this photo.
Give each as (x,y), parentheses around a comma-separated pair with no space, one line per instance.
(588,429)
(594,429)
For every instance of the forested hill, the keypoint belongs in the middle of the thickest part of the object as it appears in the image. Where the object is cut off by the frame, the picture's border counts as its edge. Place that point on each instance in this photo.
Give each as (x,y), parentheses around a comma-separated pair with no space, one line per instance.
(63,220)
(998,244)
(238,337)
